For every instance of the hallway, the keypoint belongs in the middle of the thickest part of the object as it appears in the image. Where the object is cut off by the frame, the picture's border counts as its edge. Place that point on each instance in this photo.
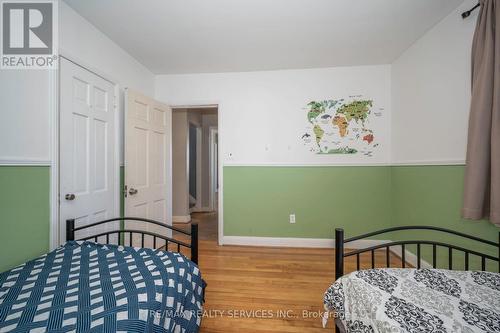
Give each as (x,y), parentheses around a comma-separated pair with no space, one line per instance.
(207,225)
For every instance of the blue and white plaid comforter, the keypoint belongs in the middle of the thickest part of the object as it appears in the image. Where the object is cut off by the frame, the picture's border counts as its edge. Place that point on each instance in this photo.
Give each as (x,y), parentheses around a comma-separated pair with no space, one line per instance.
(88,287)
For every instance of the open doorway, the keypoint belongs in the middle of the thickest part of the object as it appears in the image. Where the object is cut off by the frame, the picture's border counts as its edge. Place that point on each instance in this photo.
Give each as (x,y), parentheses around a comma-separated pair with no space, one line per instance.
(195,169)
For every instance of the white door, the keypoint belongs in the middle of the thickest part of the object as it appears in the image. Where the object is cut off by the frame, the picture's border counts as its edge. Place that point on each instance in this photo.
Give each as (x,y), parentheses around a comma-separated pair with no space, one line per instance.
(87,186)
(147,163)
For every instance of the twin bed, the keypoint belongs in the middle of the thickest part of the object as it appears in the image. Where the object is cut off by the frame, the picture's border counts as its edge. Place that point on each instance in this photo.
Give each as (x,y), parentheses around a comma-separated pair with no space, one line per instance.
(89,285)
(415,299)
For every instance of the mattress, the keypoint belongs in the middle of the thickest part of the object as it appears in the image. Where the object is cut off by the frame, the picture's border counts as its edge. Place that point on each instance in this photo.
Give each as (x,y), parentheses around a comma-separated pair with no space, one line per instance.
(416,300)
(89,287)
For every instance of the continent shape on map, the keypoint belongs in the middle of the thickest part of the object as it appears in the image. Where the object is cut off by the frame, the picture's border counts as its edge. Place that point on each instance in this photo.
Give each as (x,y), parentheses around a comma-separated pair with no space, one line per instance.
(315,110)
(342,124)
(318,132)
(357,110)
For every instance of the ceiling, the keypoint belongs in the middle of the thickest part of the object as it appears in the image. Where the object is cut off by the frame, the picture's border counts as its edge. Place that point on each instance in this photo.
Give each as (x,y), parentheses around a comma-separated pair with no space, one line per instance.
(198,36)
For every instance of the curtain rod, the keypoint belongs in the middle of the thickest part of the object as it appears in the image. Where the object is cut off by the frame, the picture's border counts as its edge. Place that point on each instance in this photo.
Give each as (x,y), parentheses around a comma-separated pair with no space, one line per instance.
(467,13)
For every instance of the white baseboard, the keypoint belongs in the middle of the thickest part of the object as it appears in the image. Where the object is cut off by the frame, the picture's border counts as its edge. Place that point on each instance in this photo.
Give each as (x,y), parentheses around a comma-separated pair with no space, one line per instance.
(295,242)
(181,219)
(200,210)
(318,243)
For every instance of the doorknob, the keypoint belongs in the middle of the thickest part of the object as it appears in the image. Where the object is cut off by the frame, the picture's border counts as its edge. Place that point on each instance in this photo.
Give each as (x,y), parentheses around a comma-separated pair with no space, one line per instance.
(132,191)
(70,196)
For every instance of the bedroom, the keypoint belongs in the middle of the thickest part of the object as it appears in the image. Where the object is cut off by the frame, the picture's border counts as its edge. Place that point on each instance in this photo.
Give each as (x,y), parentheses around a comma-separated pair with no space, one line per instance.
(293,167)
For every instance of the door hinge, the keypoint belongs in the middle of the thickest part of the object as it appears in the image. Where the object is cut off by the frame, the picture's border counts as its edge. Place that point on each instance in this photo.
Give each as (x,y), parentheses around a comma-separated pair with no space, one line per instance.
(125,191)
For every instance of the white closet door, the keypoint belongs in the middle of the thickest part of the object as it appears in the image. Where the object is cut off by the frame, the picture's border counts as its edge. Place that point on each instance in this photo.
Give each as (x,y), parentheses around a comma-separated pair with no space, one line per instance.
(148,176)
(87,146)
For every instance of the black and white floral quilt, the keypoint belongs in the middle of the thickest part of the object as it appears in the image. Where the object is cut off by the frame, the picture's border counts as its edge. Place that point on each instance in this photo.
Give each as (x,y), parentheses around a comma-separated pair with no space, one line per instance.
(416,300)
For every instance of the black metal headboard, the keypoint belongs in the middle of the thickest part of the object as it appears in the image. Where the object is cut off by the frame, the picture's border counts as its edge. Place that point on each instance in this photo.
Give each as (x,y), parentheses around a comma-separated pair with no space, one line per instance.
(340,245)
(71,229)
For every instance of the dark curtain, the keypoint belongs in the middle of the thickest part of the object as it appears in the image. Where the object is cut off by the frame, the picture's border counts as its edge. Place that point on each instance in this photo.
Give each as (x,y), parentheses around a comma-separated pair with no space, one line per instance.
(482,173)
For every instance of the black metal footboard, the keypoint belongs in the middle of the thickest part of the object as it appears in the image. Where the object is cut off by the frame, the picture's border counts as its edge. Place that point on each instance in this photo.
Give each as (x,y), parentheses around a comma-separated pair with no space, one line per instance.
(104,237)
(340,245)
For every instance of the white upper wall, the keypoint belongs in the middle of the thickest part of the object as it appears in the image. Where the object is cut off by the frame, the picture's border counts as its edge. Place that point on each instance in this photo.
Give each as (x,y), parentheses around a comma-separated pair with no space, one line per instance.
(27,97)
(430,97)
(431,93)
(262,115)
(25,121)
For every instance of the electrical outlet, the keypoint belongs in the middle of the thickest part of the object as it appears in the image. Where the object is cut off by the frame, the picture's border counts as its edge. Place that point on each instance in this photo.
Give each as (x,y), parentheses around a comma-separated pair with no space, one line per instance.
(292,218)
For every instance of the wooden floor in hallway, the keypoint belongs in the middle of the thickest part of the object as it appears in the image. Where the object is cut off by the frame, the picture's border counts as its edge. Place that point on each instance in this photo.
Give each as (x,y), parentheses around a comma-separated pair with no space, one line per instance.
(264,289)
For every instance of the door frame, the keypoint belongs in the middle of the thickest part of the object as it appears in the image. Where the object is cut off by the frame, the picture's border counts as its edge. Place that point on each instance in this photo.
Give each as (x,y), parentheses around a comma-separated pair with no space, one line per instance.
(219,106)
(54,235)
(199,150)
(199,161)
(213,130)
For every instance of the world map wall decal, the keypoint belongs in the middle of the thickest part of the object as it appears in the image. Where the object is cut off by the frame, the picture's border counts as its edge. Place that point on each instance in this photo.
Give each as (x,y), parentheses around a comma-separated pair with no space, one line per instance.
(341,126)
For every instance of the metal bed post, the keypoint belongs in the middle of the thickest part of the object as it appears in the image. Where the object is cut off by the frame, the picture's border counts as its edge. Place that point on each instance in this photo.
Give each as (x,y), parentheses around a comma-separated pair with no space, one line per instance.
(193,246)
(70,229)
(339,262)
(194,243)
(451,247)
(340,242)
(339,253)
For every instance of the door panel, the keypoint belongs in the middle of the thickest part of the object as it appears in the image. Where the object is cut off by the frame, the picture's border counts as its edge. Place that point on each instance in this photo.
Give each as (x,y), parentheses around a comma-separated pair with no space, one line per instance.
(80,163)
(158,150)
(147,164)
(140,163)
(101,154)
(87,149)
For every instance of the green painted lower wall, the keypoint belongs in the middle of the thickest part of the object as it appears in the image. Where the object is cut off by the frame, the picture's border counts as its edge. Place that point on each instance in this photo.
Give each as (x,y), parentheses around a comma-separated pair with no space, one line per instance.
(258,200)
(432,195)
(24,214)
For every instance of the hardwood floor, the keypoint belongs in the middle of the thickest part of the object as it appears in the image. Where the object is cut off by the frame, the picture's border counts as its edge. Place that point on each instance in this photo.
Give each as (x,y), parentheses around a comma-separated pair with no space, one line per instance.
(207,224)
(264,290)
(268,280)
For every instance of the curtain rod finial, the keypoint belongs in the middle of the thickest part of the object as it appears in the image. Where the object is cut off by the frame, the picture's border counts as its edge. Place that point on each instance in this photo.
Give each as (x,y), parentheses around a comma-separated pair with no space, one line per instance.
(466,14)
